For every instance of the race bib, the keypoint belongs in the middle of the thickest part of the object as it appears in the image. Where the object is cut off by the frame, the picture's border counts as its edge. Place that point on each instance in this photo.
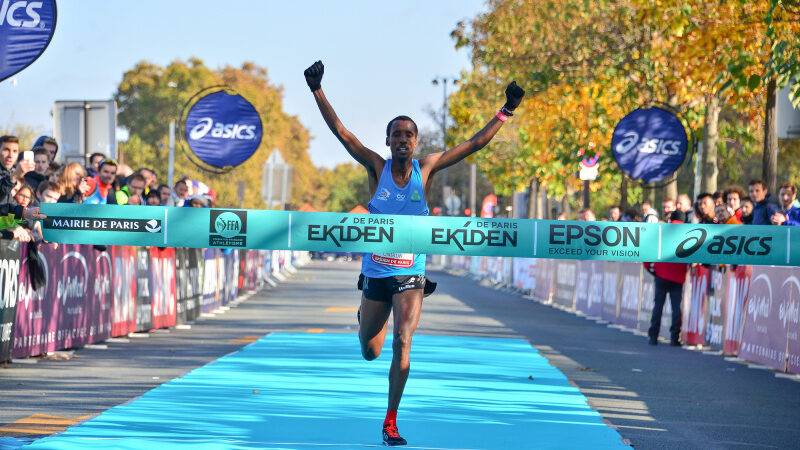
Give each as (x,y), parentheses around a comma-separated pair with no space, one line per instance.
(402,260)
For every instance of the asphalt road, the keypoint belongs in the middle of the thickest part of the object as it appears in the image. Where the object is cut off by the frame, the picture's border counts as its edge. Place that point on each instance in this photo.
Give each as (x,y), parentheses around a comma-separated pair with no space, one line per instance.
(656,397)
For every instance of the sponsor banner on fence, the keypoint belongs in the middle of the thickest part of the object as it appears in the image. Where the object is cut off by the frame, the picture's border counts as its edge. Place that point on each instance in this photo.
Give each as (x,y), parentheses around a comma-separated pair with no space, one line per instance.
(629,294)
(317,231)
(524,273)
(9,289)
(565,277)
(715,312)
(765,330)
(648,303)
(594,296)
(162,286)
(694,306)
(35,326)
(124,310)
(611,278)
(210,300)
(736,298)
(544,280)
(790,315)
(144,298)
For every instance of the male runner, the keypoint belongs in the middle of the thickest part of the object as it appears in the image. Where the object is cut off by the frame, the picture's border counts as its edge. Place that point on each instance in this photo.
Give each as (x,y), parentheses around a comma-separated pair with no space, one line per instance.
(394,283)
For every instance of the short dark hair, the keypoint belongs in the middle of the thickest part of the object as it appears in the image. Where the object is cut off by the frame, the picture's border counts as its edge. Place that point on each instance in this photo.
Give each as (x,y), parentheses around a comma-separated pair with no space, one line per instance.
(7,138)
(135,176)
(51,141)
(703,195)
(160,187)
(758,181)
(154,193)
(789,186)
(94,155)
(389,126)
(45,185)
(40,151)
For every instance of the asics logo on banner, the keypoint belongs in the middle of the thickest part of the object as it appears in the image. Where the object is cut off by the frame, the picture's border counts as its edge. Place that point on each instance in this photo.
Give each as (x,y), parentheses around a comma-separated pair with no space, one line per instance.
(646,145)
(694,243)
(725,245)
(21,14)
(222,130)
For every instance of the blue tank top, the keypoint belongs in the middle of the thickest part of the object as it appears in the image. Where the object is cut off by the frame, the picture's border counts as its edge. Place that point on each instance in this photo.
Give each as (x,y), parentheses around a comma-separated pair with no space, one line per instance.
(390,199)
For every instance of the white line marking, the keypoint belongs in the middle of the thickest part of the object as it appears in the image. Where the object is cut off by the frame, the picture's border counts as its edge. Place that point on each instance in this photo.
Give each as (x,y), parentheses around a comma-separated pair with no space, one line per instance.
(535,236)
(290,230)
(659,242)
(165,226)
(788,245)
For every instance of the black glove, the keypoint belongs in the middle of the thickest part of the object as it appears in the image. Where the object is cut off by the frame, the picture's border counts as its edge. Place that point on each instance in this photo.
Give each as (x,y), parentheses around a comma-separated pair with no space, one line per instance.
(314,75)
(514,96)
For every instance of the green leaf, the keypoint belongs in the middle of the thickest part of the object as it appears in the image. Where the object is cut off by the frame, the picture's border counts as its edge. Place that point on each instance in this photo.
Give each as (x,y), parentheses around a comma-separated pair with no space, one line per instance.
(754,82)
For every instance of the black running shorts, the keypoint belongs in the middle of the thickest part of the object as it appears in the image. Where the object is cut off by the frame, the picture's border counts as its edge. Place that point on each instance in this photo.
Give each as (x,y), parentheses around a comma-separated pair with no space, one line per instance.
(382,289)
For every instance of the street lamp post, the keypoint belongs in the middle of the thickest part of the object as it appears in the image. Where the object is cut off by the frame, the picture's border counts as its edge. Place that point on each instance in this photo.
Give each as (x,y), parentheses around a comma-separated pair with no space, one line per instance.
(436,81)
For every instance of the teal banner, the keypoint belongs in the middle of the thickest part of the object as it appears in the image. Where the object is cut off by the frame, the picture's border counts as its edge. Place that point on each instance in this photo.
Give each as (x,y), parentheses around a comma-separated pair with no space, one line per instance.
(291,230)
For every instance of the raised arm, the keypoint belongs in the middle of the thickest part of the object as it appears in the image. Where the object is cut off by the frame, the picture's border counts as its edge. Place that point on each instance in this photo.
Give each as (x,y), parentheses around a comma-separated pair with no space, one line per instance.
(357,150)
(441,160)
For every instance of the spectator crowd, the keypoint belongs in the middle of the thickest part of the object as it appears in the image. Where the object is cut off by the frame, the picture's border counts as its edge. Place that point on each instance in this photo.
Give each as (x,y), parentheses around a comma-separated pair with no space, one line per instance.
(757,206)
(30,178)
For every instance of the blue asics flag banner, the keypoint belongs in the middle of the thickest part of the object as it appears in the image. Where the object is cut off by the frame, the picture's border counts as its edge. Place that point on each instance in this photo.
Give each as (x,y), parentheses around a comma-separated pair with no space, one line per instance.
(26,28)
(649,144)
(160,226)
(223,129)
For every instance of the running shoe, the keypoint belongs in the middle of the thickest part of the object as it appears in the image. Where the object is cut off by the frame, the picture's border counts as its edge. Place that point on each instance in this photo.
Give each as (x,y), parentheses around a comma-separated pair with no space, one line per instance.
(391,436)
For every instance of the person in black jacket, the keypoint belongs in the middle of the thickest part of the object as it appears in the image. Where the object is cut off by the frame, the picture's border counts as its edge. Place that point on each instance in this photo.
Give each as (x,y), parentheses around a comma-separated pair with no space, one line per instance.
(11,171)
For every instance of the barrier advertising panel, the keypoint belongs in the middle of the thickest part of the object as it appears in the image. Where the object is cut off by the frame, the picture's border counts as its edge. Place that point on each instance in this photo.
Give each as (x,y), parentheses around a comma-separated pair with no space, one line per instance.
(595,294)
(565,274)
(715,313)
(35,325)
(210,298)
(610,291)
(736,298)
(229,288)
(162,286)
(524,277)
(584,273)
(9,288)
(544,280)
(124,320)
(630,274)
(790,314)
(765,331)
(144,299)
(102,296)
(694,319)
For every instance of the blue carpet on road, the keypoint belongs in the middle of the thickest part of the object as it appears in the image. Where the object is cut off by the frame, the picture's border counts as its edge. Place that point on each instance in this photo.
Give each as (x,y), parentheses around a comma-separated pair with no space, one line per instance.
(314,391)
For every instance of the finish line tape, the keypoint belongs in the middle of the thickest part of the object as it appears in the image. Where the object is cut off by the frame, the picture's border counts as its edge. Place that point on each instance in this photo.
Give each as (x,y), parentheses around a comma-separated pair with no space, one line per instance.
(160,226)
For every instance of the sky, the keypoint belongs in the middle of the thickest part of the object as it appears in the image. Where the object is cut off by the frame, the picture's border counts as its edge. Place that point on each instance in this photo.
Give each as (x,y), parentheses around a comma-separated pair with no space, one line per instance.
(380,57)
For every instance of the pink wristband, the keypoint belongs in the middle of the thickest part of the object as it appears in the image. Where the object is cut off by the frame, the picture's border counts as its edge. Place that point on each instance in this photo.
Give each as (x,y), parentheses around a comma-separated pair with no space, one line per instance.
(502,116)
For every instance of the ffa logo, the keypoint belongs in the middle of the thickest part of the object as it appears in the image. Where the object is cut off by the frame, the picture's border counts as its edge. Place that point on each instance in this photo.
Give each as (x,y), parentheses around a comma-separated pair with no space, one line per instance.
(384,194)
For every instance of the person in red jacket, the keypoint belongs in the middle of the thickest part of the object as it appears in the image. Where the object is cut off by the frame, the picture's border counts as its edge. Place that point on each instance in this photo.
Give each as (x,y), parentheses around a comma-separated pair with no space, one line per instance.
(669,278)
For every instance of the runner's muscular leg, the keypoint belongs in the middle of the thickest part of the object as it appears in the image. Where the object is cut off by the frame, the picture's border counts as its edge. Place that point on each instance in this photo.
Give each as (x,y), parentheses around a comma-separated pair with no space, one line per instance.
(407,307)
(372,331)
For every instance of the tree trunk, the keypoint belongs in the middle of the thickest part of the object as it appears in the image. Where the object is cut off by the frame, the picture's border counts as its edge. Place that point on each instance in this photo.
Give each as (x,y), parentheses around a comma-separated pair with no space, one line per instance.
(533,199)
(565,206)
(649,194)
(769,168)
(548,214)
(708,182)
(541,208)
(671,188)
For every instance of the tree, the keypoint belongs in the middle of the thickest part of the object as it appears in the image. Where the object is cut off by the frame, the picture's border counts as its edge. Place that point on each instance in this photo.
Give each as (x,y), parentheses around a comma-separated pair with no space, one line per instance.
(150,96)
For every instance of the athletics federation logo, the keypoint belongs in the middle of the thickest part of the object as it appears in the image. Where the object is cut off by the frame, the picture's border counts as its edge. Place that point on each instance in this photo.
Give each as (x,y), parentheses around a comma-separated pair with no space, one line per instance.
(228,228)
(384,194)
